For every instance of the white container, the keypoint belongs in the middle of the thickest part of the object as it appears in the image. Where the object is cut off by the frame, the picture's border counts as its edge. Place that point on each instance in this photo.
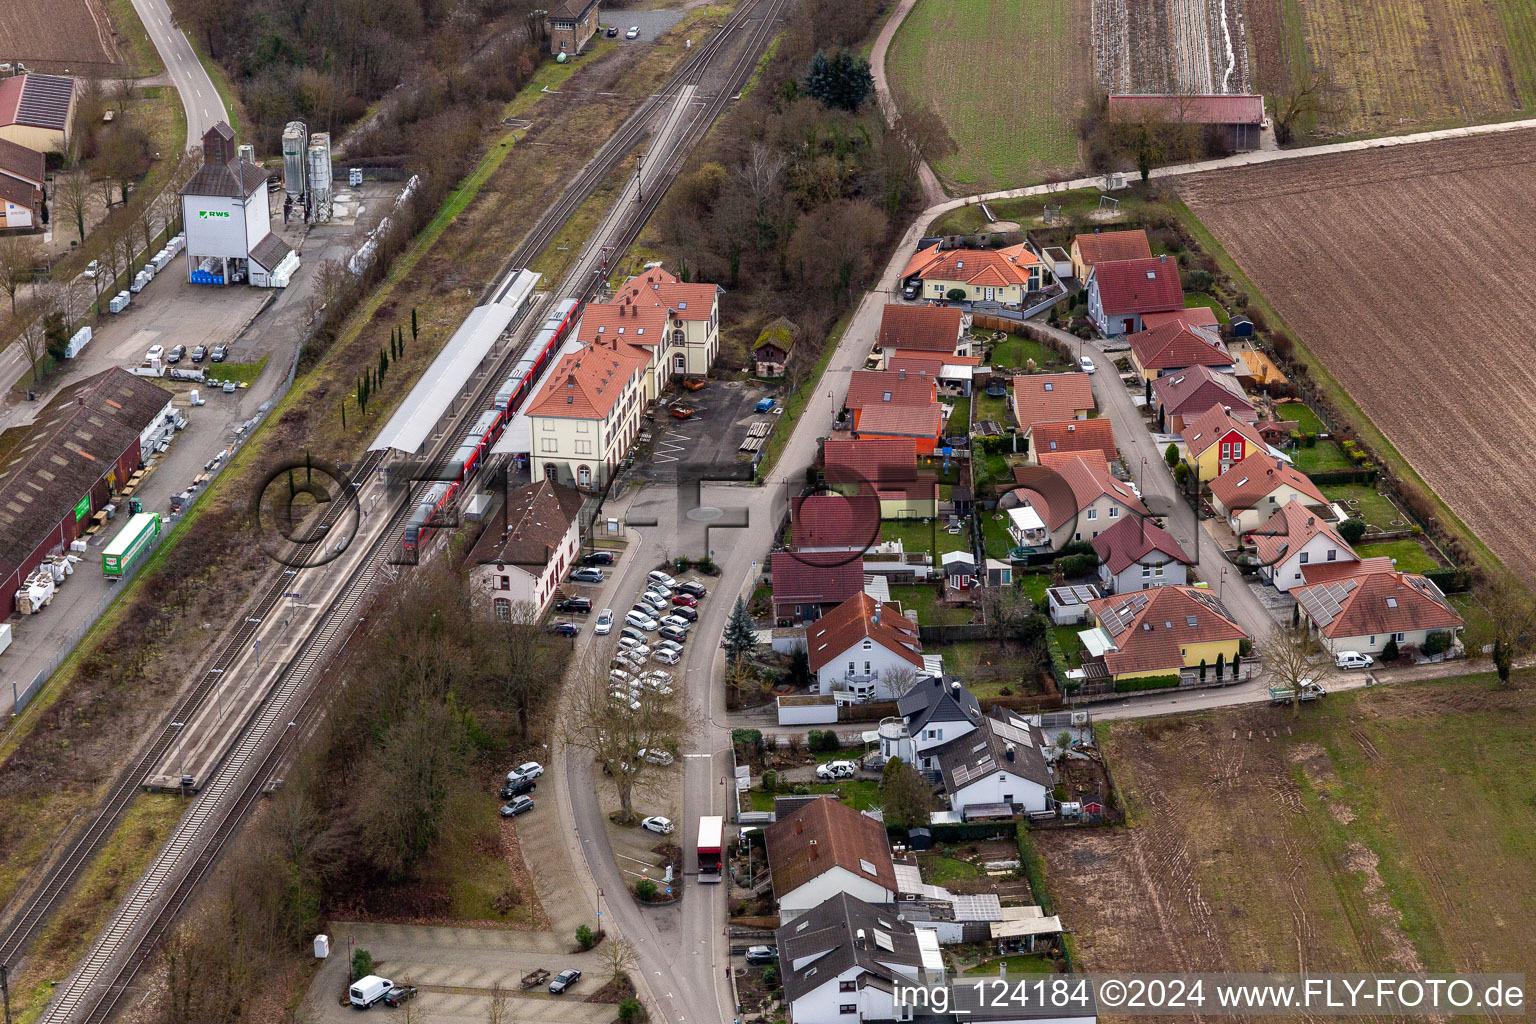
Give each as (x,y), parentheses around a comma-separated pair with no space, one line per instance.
(57,571)
(78,341)
(322,942)
(139,281)
(119,302)
(5,636)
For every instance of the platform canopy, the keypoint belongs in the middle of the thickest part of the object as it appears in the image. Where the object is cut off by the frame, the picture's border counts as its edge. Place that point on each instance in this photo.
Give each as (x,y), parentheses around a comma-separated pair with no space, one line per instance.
(444,380)
(517,439)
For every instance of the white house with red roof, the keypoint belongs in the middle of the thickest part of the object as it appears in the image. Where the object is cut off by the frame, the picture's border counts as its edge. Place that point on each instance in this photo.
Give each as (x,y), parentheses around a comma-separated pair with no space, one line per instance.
(1137,554)
(1079,501)
(1120,292)
(935,329)
(587,414)
(1366,611)
(1175,346)
(861,647)
(985,275)
(1255,488)
(1166,631)
(691,314)
(1293,539)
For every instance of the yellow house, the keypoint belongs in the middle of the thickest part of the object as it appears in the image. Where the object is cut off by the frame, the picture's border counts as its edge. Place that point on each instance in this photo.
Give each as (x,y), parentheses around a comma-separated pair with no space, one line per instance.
(587,415)
(984,275)
(1108,247)
(1164,631)
(37,111)
(1216,440)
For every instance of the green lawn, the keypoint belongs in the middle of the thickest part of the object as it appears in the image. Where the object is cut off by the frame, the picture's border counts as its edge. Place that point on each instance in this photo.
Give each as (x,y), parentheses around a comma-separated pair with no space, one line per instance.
(994,533)
(1194,300)
(959,422)
(860,794)
(1071,645)
(994,408)
(1022,963)
(916,535)
(992,468)
(1015,352)
(1376,509)
(1306,420)
(1035,585)
(929,612)
(247,372)
(938,869)
(1410,556)
(1320,457)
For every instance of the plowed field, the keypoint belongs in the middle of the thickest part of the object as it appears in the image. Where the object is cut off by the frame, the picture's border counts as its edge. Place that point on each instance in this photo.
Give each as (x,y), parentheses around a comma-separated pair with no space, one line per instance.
(1407,271)
(52,35)
(1179,46)
(1384,830)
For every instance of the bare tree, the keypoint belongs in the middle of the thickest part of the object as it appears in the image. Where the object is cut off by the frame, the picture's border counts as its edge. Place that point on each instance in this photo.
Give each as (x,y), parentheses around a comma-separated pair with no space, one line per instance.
(614,723)
(1506,625)
(1295,660)
(61,298)
(120,95)
(519,655)
(1308,95)
(618,958)
(72,199)
(900,680)
(497,1012)
(34,345)
(18,258)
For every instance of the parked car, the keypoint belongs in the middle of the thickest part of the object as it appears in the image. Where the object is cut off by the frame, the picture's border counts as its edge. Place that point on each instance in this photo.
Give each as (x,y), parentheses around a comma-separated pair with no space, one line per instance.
(175,355)
(518,787)
(1086,365)
(219,353)
(911,291)
(579,605)
(92,269)
(598,558)
(633,659)
(228,388)
(633,33)
(657,576)
(685,600)
(762,955)
(653,604)
(155,352)
(604,622)
(671,633)
(765,405)
(677,621)
(399,994)
(686,613)
(199,353)
(661,826)
(626,644)
(659,588)
(634,634)
(564,980)
(657,757)
(1353,659)
(519,805)
(666,656)
(564,628)
(693,588)
(613,32)
(587,576)
(530,769)
(620,675)
(670,645)
(836,770)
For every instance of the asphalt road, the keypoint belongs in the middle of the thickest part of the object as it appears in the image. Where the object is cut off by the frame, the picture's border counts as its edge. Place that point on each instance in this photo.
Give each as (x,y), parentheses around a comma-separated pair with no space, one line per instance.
(203,106)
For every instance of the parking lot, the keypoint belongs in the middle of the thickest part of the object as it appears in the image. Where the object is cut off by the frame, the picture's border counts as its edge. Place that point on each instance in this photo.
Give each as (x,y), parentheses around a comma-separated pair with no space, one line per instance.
(723,414)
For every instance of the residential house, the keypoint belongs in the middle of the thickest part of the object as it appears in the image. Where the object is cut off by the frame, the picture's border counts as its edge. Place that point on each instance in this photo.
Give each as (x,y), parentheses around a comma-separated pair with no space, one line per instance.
(1292,539)
(805,589)
(1366,611)
(1177,346)
(1216,440)
(585,417)
(1079,502)
(924,425)
(38,111)
(1005,275)
(1194,316)
(842,960)
(1108,247)
(693,315)
(953,374)
(933,713)
(835,525)
(643,329)
(868,389)
(1159,632)
(771,350)
(1075,436)
(1120,293)
(1180,398)
(570,25)
(864,648)
(1236,118)
(998,769)
(938,329)
(22,172)
(1254,489)
(889,466)
(824,848)
(1137,554)
(1051,398)
(523,557)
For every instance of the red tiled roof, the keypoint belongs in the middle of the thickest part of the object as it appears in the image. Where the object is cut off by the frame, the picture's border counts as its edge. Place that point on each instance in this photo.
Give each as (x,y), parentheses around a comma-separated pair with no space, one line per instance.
(586,384)
(795,582)
(996,267)
(1214,424)
(20,162)
(1256,477)
(1132,539)
(638,325)
(879,461)
(926,328)
(930,363)
(1139,286)
(824,834)
(1073,436)
(1150,627)
(883,419)
(1327,572)
(1194,316)
(1289,529)
(1056,460)
(1202,109)
(1087,480)
(1047,397)
(868,388)
(657,287)
(836,521)
(1190,392)
(1176,345)
(1113,246)
(852,622)
(538,517)
(1375,603)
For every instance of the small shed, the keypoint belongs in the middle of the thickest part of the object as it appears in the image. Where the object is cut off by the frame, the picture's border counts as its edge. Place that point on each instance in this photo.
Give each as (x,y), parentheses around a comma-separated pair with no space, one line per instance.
(771,351)
(1059,260)
(1242,327)
(1069,605)
(999,573)
(959,570)
(920,839)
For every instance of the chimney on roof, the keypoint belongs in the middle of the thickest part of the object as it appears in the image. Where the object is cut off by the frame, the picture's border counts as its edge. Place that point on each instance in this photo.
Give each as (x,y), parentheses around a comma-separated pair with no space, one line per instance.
(954,687)
(1163,258)
(1311,520)
(1008,752)
(875,618)
(858,938)
(799,825)
(1228,409)
(814,852)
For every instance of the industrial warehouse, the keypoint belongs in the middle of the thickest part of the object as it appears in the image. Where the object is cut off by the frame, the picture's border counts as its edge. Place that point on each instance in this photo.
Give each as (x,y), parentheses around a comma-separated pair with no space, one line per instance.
(61,471)
(228,221)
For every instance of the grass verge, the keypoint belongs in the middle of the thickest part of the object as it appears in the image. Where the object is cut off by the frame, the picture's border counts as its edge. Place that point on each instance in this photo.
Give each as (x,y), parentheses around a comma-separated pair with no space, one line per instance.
(794,405)
(144,60)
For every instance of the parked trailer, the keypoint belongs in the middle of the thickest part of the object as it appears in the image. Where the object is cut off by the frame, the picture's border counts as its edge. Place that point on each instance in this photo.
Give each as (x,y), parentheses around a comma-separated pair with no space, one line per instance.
(1285,694)
(711,839)
(130,544)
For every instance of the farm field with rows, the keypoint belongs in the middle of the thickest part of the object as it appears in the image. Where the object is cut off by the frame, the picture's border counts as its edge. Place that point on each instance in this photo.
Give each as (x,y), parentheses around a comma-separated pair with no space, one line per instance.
(1371,258)
(53,36)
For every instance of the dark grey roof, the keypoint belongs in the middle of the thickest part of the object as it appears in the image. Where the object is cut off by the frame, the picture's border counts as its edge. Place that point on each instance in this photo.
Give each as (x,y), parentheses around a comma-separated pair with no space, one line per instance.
(44,101)
(828,933)
(225,180)
(537,518)
(56,459)
(987,750)
(270,251)
(570,10)
(783,806)
(934,700)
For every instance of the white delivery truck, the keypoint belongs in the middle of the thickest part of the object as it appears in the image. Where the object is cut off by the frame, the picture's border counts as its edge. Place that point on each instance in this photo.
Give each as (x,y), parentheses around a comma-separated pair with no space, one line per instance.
(5,636)
(367,991)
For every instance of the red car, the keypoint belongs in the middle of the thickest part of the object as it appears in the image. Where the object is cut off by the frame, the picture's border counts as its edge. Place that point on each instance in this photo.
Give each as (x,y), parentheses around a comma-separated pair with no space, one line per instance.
(685,600)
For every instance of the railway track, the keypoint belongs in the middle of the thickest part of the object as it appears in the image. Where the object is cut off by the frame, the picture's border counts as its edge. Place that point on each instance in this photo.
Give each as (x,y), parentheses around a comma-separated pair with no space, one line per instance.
(146,915)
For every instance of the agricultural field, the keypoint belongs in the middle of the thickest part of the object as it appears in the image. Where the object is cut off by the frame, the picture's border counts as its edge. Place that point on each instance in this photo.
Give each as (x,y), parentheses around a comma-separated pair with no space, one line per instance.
(1171,46)
(1006,79)
(1404,65)
(54,35)
(1337,245)
(1389,829)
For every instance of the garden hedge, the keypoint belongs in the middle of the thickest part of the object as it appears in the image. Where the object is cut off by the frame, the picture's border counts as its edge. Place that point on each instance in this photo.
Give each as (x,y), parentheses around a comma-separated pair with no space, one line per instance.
(1146,683)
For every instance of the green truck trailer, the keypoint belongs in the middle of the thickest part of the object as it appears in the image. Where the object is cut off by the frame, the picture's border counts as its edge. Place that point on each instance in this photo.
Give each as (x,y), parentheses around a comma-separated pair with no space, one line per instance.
(130,544)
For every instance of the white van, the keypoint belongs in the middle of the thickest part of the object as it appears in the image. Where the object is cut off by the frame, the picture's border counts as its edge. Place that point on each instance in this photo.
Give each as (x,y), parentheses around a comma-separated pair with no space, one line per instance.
(367,991)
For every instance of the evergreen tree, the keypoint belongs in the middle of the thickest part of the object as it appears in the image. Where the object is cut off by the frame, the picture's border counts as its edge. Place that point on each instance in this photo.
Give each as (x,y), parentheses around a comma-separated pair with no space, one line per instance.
(413,328)
(740,634)
(842,80)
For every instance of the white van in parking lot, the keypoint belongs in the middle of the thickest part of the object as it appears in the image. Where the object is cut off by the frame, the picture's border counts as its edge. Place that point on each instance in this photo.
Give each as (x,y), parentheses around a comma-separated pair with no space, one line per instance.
(367,991)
